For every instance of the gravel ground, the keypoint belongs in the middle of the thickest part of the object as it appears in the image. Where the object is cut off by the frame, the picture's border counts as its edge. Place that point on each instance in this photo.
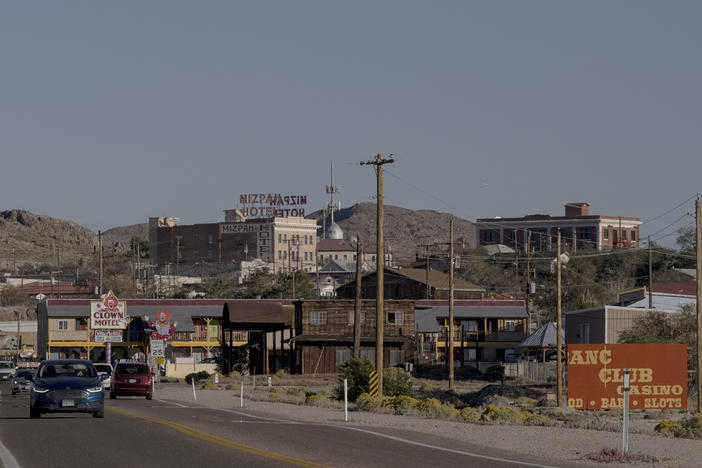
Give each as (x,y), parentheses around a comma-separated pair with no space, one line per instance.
(558,444)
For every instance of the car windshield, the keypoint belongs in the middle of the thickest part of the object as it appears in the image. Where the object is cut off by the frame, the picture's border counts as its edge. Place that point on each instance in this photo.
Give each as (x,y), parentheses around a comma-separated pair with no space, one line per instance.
(103,368)
(66,369)
(25,373)
(5,365)
(132,369)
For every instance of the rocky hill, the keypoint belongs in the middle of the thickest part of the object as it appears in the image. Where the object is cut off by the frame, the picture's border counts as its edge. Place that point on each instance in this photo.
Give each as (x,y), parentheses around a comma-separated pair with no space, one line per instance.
(36,239)
(405,230)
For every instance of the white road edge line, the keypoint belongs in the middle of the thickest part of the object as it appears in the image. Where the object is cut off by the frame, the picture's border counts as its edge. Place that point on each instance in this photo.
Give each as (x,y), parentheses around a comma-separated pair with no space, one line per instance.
(436,447)
(173,403)
(398,439)
(8,460)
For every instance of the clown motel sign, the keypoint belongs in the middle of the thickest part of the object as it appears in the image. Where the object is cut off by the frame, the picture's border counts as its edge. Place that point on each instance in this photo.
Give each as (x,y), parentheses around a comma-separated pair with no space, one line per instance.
(658,376)
(109,313)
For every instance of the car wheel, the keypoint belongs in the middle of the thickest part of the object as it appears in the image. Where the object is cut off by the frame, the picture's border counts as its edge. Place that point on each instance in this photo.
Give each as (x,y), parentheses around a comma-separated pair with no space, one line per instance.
(113,395)
(14,392)
(149,396)
(34,413)
(99,414)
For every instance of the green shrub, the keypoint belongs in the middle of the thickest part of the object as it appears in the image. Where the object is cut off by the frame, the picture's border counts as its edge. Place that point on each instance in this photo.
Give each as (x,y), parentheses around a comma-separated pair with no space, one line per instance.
(469,414)
(433,408)
(494,372)
(397,382)
(401,404)
(366,402)
(525,401)
(197,376)
(279,374)
(229,387)
(357,373)
(208,386)
(314,400)
(536,419)
(688,428)
(501,415)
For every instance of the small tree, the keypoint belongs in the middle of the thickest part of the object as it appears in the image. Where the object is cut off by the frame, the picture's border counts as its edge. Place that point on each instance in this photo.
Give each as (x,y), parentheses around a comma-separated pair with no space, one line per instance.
(357,372)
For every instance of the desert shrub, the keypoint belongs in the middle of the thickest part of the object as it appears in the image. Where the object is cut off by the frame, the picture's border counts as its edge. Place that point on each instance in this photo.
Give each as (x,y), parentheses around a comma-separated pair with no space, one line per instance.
(612,455)
(433,408)
(357,373)
(501,415)
(229,387)
(494,372)
(197,376)
(401,404)
(294,390)
(688,428)
(536,419)
(234,374)
(525,401)
(367,402)
(279,374)
(397,382)
(470,414)
(314,400)
(208,386)
(308,392)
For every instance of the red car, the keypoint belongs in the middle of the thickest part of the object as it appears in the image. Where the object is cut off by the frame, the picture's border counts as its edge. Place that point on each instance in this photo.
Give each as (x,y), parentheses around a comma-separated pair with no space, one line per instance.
(131,378)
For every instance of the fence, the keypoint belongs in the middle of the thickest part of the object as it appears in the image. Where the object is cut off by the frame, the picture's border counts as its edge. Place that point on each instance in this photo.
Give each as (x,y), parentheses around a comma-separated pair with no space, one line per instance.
(539,372)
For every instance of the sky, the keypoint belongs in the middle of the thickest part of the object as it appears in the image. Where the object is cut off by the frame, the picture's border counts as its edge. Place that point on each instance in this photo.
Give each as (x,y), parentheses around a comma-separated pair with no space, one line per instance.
(112,112)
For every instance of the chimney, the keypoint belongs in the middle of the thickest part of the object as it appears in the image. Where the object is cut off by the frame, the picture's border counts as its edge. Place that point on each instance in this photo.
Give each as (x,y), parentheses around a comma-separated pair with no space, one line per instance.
(576,209)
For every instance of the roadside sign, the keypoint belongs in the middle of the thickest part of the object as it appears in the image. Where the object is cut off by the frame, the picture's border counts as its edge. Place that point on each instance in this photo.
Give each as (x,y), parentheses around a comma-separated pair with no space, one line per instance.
(108,336)
(658,376)
(373,383)
(156,347)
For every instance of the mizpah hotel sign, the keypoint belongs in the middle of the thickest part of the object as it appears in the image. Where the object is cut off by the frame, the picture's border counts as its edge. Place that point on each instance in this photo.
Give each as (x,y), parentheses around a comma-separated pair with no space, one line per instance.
(272,205)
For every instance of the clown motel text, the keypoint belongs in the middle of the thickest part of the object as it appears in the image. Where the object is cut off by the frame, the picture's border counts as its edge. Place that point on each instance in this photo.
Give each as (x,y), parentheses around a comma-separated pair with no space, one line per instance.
(657,376)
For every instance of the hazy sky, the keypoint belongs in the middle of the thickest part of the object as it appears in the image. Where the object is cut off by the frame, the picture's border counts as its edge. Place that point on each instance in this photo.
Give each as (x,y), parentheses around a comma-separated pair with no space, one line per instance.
(111,112)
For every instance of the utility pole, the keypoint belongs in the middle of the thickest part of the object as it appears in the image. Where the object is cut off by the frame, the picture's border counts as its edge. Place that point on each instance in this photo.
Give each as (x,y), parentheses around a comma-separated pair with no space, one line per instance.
(357,306)
(378,162)
(100,263)
(650,275)
(451,323)
(426,267)
(58,269)
(528,283)
(18,339)
(559,339)
(699,304)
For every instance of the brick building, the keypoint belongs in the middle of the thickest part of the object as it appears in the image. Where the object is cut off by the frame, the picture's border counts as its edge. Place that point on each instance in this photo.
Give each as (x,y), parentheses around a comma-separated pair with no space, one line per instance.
(281,242)
(579,230)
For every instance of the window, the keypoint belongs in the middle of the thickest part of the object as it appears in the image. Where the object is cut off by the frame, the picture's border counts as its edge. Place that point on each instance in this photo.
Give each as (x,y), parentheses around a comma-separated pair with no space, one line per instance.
(368,353)
(585,234)
(342,356)
(63,325)
(470,325)
(195,256)
(490,236)
(623,235)
(345,257)
(210,239)
(395,318)
(280,254)
(584,333)
(196,240)
(633,235)
(209,255)
(318,317)
(336,257)
(352,315)
(396,357)
(605,234)
(509,325)
(280,238)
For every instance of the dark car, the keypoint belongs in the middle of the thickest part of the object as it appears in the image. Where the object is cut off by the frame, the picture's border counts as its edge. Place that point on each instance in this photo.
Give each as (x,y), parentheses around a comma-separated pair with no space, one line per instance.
(131,378)
(22,380)
(66,385)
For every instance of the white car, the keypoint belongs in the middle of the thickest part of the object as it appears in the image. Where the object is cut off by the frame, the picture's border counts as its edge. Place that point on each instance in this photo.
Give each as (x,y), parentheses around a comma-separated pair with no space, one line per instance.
(7,370)
(104,371)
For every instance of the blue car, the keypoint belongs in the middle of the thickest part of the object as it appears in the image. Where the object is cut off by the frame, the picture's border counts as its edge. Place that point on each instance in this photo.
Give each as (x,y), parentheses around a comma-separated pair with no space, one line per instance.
(66,385)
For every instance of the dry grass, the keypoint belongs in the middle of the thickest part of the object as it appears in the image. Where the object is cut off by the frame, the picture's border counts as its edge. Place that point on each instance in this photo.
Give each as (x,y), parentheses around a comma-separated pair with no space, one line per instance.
(611,455)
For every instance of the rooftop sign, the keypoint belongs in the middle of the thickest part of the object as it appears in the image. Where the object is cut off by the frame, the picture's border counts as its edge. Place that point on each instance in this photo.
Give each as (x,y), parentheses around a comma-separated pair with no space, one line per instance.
(658,376)
(109,313)
(272,205)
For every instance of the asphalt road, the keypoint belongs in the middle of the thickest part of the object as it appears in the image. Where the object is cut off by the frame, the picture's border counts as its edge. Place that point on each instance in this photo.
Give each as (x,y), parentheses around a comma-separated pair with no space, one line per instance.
(159,433)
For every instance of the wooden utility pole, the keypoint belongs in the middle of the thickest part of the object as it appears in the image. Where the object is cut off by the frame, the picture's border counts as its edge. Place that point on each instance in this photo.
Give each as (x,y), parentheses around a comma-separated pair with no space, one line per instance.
(451,323)
(357,305)
(378,162)
(699,304)
(100,263)
(650,275)
(528,284)
(426,267)
(559,338)
(58,269)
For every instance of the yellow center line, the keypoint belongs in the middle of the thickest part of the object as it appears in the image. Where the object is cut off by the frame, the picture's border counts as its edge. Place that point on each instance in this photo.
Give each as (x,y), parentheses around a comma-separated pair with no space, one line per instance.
(220,441)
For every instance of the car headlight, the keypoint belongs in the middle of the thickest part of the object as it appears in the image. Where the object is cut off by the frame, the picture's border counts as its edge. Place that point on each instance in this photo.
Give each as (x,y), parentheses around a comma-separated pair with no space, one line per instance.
(14,382)
(95,389)
(40,389)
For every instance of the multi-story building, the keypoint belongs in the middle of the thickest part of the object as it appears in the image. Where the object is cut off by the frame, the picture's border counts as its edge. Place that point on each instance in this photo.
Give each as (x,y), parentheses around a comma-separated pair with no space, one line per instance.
(483,330)
(578,229)
(286,243)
